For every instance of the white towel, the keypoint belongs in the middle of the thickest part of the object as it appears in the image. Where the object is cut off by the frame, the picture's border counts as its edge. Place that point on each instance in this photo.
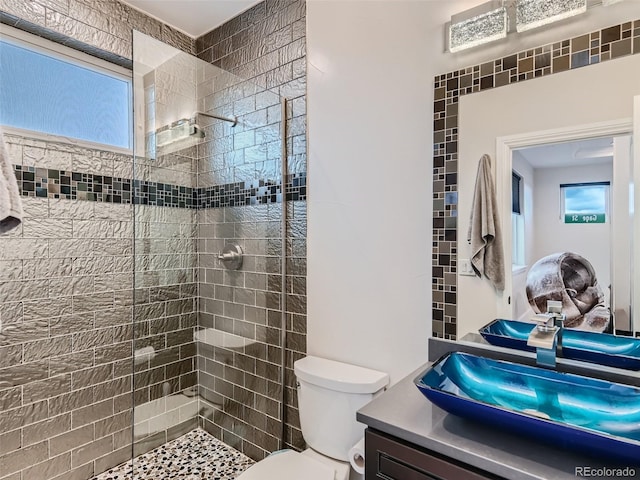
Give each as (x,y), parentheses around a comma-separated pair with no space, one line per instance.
(485,237)
(10,202)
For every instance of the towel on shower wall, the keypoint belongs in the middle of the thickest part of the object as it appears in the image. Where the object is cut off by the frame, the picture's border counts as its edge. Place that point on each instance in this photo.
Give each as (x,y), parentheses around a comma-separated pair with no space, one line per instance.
(10,202)
(484,236)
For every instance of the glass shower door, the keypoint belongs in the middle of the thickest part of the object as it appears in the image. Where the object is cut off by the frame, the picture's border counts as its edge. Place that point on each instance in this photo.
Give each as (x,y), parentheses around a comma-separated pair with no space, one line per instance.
(165,282)
(208,337)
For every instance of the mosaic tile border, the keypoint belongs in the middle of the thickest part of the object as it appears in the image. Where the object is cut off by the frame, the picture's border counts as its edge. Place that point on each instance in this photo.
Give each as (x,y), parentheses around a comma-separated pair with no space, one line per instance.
(50,183)
(581,51)
(252,193)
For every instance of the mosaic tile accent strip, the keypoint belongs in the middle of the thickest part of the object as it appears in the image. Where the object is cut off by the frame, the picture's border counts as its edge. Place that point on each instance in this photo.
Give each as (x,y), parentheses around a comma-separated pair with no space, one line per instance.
(163,194)
(252,193)
(193,456)
(581,51)
(42,182)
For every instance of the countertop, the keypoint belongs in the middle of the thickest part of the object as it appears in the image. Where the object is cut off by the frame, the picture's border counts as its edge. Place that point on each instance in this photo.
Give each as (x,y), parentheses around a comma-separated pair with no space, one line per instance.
(403,412)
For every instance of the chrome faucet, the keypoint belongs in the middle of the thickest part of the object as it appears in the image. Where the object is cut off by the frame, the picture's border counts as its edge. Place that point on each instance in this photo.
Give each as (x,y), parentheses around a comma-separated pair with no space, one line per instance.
(546,336)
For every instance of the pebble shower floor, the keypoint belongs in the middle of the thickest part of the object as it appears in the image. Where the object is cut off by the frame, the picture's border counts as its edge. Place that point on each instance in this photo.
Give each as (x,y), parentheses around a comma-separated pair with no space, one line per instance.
(194,456)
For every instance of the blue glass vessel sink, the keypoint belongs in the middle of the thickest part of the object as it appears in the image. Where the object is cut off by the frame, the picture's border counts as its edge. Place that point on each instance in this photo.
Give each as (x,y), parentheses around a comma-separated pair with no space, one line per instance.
(590,416)
(600,348)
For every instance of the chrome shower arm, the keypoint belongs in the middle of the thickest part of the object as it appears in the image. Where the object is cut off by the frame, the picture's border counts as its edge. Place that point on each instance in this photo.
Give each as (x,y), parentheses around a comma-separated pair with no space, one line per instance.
(233,120)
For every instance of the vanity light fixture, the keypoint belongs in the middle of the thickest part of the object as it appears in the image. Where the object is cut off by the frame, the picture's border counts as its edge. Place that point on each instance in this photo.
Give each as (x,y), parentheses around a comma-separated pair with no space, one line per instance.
(537,13)
(482,24)
(493,20)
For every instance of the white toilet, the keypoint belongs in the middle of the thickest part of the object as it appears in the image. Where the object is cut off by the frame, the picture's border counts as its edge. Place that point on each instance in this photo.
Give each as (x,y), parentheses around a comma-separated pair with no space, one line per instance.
(329,394)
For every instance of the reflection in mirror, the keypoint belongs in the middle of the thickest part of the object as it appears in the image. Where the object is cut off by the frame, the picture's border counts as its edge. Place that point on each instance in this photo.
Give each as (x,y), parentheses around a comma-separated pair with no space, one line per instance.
(566,152)
(566,188)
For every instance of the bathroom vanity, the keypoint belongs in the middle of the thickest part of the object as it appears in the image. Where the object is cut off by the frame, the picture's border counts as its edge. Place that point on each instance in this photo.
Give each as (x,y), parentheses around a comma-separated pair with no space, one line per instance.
(389,457)
(409,438)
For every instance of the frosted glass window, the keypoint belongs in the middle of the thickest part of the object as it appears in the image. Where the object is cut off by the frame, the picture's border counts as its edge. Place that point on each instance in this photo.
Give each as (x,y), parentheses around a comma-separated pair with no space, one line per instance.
(517,239)
(536,13)
(60,96)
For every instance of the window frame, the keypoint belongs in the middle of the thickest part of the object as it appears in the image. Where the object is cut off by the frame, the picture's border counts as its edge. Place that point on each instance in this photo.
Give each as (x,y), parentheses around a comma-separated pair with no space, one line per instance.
(516,178)
(607,199)
(518,257)
(63,53)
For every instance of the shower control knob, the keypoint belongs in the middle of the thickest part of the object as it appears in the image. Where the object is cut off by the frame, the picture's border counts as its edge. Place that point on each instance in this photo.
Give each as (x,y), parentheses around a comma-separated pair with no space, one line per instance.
(231,256)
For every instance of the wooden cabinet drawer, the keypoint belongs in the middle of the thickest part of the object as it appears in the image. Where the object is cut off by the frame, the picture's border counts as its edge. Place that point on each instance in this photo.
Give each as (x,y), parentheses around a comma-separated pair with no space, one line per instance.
(389,458)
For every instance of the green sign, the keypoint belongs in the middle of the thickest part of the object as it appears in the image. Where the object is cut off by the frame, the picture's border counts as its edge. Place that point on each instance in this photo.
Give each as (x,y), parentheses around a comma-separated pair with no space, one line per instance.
(584,218)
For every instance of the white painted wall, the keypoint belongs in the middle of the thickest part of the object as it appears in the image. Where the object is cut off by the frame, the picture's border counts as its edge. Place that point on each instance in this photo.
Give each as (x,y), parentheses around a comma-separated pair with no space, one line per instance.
(371,66)
(552,235)
(369,271)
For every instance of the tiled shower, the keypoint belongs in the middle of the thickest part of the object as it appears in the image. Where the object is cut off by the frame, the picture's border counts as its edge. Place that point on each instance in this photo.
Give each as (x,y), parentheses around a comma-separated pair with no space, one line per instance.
(74,399)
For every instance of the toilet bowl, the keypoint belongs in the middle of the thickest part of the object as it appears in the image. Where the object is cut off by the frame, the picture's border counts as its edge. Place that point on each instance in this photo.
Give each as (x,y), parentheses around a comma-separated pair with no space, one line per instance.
(291,465)
(329,394)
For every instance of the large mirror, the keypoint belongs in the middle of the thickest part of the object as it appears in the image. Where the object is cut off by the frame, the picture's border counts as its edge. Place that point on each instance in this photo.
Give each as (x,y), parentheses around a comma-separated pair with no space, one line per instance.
(562,159)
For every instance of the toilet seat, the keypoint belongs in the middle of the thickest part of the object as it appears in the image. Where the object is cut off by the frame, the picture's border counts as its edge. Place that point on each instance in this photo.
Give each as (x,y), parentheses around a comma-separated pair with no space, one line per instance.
(288,466)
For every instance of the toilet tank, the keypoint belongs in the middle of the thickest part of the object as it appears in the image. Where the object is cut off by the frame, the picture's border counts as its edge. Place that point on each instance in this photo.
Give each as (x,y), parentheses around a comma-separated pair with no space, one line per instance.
(329,394)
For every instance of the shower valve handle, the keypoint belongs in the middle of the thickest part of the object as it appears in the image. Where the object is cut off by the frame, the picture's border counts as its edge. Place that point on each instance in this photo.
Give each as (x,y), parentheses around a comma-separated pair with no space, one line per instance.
(231,256)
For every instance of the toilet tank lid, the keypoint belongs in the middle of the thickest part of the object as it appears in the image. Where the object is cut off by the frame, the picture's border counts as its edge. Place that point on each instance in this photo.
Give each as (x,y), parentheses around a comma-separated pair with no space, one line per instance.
(339,376)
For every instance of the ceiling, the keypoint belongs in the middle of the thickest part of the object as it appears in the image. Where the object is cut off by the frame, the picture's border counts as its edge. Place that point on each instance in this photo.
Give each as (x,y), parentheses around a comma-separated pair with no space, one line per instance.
(583,152)
(193,17)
